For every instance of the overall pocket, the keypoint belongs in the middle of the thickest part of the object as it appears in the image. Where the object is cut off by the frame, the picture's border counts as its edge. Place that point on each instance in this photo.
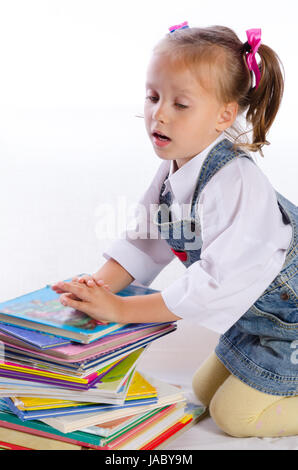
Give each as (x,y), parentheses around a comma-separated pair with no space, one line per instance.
(281,302)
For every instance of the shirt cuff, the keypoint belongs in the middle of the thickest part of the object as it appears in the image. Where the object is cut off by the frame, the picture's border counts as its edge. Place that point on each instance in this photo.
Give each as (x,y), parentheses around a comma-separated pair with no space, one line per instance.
(180,304)
(139,265)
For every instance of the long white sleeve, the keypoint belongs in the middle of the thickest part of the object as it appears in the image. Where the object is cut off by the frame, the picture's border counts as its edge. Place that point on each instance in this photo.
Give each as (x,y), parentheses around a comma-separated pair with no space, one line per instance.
(244,248)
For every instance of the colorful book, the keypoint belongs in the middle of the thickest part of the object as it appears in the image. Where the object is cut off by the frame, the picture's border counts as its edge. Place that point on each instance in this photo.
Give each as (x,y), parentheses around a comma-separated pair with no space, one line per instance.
(33,338)
(18,407)
(112,427)
(139,388)
(8,446)
(111,393)
(152,430)
(38,428)
(134,438)
(86,439)
(193,414)
(76,355)
(115,371)
(112,388)
(166,395)
(42,310)
(75,410)
(23,439)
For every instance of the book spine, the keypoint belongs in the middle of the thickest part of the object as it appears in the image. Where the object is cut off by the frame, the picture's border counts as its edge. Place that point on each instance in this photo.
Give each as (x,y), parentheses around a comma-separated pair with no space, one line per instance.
(166,435)
(37,432)
(120,440)
(8,446)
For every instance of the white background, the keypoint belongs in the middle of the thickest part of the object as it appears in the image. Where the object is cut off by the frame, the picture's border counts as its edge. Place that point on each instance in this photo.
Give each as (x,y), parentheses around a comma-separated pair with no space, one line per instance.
(71,83)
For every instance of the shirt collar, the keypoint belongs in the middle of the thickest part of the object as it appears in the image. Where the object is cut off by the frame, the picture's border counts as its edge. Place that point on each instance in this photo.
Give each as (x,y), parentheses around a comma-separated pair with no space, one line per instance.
(188,172)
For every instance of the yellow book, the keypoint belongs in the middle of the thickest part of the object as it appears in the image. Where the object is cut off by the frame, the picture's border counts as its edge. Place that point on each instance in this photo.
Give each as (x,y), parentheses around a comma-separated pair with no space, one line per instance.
(53,375)
(138,388)
(19,438)
(35,403)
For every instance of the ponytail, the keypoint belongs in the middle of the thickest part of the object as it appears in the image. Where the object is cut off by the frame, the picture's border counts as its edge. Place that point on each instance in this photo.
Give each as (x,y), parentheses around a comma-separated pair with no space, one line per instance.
(264,101)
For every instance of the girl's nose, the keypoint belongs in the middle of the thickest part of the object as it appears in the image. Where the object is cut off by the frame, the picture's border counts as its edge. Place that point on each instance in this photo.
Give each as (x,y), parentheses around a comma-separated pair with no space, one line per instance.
(160,114)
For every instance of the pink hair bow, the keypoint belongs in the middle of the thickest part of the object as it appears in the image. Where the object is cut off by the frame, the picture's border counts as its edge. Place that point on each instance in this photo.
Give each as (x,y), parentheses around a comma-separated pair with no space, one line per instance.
(178,26)
(254,40)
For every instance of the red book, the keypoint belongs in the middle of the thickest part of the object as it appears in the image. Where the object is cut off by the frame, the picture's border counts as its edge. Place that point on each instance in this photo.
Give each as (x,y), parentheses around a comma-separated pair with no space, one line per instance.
(8,446)
(166,435)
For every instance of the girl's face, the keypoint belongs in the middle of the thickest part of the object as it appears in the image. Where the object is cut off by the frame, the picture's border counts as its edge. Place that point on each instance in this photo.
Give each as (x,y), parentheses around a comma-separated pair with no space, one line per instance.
(179,108)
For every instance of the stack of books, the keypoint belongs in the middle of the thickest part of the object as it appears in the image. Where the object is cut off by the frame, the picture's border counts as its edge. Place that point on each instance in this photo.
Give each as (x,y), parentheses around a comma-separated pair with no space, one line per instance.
(69,382)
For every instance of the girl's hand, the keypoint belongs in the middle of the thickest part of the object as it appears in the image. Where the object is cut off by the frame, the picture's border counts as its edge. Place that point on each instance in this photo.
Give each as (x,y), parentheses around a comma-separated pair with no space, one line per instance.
(91,281)
(88,280)
(94,300)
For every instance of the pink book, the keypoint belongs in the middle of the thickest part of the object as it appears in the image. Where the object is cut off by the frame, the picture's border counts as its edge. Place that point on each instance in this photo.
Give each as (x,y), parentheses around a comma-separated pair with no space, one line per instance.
(127,435)
(80,352)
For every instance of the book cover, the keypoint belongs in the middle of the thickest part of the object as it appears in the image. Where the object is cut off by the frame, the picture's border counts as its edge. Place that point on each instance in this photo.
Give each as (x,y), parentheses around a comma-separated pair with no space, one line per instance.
(77,354)
(10,420)
(11,436)
(42,310)
(80,437)
(33,338)
(65,411)
(8,446)
(145,431)
(138,387)
(166,395)
(118,370)
(193,414)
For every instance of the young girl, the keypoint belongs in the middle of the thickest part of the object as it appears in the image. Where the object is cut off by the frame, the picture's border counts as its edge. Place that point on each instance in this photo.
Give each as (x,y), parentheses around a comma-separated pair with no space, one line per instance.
(236,235)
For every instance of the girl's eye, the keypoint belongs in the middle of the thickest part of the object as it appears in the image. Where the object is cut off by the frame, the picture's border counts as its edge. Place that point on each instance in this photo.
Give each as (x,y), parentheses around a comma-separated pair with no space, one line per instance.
(154,99)
(151,98)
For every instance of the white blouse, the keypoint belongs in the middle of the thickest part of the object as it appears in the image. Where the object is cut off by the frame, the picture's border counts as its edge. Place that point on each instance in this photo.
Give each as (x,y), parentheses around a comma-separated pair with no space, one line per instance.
(244,241)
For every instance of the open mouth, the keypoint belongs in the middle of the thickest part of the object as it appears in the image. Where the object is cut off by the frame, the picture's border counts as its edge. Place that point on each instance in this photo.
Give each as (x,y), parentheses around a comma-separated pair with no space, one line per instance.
(161,137)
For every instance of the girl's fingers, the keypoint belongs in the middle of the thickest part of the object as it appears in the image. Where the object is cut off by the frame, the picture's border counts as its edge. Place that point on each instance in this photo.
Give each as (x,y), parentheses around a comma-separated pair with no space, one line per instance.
(57,289)
(71,296)
(101,283)
(67,301)
(80,292)
(84,278)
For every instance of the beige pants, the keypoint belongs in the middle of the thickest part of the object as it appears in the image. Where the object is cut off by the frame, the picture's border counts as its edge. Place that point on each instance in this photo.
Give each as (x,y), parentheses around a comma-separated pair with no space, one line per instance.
(240,410)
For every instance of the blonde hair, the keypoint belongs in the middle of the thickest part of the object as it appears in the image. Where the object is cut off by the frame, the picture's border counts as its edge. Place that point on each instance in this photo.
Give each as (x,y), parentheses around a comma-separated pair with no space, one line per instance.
(218,58)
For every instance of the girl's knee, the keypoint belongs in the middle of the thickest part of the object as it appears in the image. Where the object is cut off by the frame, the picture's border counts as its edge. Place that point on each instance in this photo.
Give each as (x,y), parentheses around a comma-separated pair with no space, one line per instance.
(201,392)
(220,416)
(208,378)
(228,419)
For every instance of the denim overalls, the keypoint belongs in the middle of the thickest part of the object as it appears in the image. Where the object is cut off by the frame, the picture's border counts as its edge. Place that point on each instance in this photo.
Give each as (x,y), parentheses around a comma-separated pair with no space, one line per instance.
(261,348)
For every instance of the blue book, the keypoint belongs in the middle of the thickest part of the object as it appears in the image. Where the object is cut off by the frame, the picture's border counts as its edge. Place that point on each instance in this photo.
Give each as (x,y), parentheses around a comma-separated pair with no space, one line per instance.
(42,310)
(50,413)
(33,338)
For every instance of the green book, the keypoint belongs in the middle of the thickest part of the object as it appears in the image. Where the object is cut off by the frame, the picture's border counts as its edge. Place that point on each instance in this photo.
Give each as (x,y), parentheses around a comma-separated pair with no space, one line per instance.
(41,429)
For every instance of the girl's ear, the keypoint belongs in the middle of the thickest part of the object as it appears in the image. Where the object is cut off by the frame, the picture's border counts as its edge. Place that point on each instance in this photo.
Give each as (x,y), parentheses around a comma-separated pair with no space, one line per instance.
(227,116)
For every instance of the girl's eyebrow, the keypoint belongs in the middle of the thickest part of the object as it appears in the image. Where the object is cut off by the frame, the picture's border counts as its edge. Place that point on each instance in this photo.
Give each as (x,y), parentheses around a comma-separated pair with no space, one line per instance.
(182,91)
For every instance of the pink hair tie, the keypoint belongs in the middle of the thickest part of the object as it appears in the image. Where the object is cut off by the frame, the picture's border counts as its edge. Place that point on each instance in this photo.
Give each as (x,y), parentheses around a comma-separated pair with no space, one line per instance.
(253,44)
(178,26)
